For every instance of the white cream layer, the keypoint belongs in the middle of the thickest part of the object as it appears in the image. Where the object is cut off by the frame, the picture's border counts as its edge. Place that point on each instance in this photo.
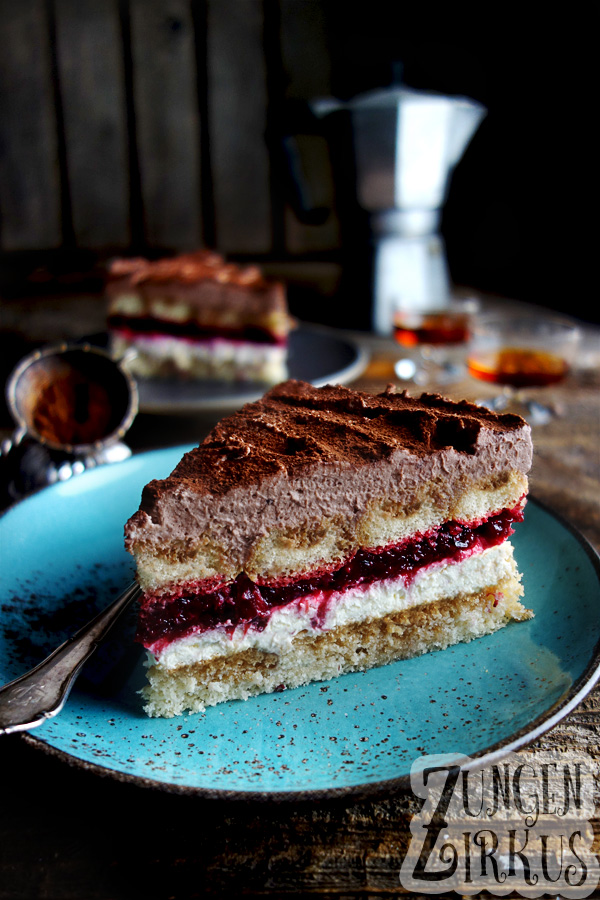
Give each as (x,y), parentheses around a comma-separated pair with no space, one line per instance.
(359,604)
(212,358)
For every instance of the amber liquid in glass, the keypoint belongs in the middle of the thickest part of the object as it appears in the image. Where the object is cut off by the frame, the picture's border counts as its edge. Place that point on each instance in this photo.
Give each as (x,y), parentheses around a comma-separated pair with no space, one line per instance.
(519,367)
(411,329)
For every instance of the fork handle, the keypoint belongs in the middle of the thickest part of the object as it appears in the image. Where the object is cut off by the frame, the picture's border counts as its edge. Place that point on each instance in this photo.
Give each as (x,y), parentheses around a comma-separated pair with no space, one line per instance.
(41,693)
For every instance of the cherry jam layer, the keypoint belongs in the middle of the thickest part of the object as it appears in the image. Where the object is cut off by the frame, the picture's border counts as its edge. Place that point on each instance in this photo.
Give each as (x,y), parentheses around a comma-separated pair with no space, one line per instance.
(244,602)
(147,326)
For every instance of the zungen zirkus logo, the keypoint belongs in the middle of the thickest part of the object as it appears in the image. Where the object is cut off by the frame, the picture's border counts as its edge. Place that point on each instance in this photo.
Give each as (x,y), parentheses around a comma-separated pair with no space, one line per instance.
(521,825)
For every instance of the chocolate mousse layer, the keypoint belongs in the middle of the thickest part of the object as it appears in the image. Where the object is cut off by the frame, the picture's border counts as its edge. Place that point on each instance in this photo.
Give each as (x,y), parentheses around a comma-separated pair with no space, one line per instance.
(304,458)
(214,290)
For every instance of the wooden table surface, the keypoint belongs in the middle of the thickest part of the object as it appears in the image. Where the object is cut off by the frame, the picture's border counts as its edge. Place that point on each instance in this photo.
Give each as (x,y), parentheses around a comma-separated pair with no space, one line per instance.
(68,833)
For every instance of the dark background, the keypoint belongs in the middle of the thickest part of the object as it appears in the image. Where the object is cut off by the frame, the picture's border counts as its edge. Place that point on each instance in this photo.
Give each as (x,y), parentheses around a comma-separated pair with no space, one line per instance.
(177,141)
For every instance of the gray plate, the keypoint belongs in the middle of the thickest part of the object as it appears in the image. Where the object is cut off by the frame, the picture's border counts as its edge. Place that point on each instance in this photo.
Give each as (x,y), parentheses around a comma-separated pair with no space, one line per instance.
(316,355)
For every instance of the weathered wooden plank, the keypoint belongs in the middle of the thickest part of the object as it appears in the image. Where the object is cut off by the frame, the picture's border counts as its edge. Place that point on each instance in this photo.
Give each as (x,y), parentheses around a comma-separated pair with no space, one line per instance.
(167,121)
(304,49)
(29,172)
(307,67)
(91,78)
(237,124)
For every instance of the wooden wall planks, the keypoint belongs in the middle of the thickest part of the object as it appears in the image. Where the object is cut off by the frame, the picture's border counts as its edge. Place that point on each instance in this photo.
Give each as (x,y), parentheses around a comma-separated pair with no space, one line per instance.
(237,92)
(306,65)
(305,50)
(167,121)
(91,84)
(140,125)
(30,194)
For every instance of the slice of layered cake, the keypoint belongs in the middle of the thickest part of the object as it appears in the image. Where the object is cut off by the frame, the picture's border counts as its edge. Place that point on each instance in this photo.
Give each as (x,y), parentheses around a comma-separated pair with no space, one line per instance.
(197,316)
(322,531)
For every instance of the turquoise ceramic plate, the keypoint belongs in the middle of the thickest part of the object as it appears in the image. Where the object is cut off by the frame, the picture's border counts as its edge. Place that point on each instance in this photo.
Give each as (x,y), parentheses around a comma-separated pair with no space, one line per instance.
(63,558)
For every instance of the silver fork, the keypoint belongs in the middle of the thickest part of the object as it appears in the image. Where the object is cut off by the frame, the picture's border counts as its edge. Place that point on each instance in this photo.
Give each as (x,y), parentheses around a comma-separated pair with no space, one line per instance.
(41,693)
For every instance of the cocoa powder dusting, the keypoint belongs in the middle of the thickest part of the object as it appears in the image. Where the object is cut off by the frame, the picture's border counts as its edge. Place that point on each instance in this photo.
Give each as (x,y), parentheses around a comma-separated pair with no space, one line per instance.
(70,409)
